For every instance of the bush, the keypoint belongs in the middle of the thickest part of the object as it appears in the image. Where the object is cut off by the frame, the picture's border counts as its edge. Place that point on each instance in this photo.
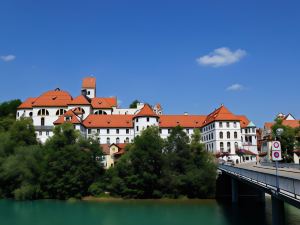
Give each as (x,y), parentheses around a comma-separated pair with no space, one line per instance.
(27,192)
(95,189)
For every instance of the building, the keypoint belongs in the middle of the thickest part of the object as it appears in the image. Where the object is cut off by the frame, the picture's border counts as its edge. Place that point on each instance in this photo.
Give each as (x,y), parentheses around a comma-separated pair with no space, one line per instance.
(101,119)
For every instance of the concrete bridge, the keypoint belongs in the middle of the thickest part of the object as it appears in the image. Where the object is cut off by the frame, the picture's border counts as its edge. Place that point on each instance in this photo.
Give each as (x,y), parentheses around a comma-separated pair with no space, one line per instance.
(251,180)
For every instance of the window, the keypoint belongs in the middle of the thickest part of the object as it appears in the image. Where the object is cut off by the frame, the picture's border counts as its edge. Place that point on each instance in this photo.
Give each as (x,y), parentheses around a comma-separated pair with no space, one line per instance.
(98,131)
(169,131)
(187,131)
(18,114)
(117,140)
(156,119)
(107,131)
(89,131)
(234,124)
(88,92)
(242,138)
(137,128)
(227,124)
(30,114)
(127,140)
(108,140)
(228,135)
(40,133)
(220,124)
(236,145)
(148,119)
(60,112)
(42,121)
(253,130)
(228,146)
(68,118)
(160,131)
(47,133)
(235,135)
(117,131)
(137,120)
(127,131)
(212,135)
(43,112)
(221,146)
(100,112)
(221,135)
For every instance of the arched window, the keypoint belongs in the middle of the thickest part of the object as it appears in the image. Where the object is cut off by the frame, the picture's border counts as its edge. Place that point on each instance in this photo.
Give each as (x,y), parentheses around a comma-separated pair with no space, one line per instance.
(228,135)
(235,135)
(30,114)
(43,112)
(228,146)
(117,140)
(127,140)
(236,145)
(100,112)
(42,121)
(108,140)
(60,112)
(221,135)
(221,146)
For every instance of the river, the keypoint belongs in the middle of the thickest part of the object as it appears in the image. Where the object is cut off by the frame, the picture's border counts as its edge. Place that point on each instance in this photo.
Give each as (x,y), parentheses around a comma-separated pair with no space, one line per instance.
(139,212)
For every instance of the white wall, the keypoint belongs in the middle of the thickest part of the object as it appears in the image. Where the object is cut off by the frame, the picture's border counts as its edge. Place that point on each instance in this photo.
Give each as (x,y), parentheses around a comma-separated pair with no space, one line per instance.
(141,123)
(102,135)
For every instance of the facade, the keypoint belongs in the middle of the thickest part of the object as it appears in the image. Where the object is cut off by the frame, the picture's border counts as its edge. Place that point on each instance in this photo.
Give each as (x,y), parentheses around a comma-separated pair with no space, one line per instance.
(101,119)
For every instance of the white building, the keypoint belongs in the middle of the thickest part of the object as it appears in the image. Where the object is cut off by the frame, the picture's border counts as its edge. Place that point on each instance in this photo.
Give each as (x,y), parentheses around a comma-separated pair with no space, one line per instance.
(102,119)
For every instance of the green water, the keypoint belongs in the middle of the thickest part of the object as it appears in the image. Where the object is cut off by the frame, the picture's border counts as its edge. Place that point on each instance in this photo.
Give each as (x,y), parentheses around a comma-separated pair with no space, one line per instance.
(206,212)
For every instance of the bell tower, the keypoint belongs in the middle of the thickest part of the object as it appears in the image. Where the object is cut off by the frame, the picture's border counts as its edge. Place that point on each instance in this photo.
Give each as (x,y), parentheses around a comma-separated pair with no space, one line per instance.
(88,88)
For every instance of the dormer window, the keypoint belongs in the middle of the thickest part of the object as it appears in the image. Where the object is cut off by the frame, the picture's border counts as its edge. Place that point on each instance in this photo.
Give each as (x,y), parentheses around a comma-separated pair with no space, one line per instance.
(68,118)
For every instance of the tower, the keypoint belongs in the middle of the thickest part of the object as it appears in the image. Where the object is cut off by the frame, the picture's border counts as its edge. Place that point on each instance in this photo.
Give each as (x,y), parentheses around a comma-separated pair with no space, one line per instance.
(89,87)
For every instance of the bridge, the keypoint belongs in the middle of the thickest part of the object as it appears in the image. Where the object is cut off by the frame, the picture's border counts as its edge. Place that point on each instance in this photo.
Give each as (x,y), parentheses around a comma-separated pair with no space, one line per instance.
(262,179)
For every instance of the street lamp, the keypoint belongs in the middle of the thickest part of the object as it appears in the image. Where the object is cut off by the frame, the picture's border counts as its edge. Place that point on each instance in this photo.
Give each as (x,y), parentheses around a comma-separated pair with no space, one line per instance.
(278,132)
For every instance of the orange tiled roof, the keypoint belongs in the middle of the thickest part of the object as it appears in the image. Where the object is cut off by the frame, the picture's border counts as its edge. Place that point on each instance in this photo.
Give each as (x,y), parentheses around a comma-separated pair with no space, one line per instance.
(168,121)
(53,98)
(89,82)
(146,111)
(290,123)
(106,148)
(243,121)
(69,113)
(80,100)
(115,121)
(104,103)
(27,104)
(221,113)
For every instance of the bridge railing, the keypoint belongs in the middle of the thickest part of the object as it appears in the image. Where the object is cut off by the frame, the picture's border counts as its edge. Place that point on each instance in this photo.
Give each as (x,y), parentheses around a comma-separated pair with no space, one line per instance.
(287,186)
(282,165)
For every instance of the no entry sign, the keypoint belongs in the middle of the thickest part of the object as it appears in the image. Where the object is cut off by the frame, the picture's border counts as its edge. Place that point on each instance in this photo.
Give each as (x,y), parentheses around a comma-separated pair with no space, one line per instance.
(276,156)
(276,146)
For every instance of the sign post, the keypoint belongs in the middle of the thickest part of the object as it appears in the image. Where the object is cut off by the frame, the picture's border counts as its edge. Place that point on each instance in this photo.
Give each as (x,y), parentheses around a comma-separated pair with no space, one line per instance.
(276,156)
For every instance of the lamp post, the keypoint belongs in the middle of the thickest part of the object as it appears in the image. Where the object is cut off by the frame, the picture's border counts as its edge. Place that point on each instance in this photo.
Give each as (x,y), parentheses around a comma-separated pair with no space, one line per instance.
(279,132)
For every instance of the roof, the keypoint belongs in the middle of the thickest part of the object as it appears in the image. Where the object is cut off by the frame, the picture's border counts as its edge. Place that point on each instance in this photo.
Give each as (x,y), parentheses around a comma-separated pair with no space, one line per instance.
(80,100)
(107,121)
(69,113)
(290,123)
(221,113)
(251,124)
(106,148)
(52,98)
(146,111)
(168,121)
(104,103)
(89,82)
(27,104)
(243,121)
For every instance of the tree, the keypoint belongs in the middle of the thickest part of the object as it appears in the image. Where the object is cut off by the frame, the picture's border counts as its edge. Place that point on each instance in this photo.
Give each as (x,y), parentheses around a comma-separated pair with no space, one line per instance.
(9,108)
(133,105)
(287,139)
(138,172)
(70,165)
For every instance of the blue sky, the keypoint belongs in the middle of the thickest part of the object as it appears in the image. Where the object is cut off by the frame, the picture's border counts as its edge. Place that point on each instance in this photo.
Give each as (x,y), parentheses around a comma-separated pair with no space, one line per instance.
(190,56)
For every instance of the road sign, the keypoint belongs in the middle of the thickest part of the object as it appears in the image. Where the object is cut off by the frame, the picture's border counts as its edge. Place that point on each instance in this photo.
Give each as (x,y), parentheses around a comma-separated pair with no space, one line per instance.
(276,146)
(276,156)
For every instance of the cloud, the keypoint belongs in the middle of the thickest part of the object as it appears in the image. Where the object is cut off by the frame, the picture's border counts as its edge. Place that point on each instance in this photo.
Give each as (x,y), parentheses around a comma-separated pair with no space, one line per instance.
(235,87)
(221,57)
(8,58)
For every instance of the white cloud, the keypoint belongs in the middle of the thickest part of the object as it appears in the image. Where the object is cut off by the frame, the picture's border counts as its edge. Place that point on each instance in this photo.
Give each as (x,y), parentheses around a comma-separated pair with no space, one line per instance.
(235,87)
(8,58)
(221,57)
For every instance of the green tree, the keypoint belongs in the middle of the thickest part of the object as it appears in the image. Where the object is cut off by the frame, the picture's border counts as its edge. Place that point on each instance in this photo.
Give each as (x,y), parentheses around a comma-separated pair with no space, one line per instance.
(287,139)
(70,165)
(133,105)
(9,108)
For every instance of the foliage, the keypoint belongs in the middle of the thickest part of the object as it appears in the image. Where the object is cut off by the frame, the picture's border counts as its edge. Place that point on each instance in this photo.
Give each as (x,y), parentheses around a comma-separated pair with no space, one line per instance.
(287,139)
(133,105)
(9,108)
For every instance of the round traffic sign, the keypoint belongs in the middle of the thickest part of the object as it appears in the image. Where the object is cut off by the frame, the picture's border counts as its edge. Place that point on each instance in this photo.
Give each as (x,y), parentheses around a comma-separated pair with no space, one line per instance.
(276,144)
(276,154)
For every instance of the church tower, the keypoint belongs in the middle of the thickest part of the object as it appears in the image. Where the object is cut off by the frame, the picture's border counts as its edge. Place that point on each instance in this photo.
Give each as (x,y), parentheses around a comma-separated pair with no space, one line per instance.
(89,87)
